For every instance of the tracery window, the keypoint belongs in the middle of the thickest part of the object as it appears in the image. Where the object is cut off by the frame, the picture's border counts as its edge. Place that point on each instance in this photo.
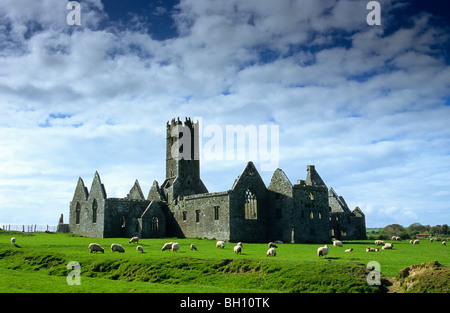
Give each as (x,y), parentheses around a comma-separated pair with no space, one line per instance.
(251,206)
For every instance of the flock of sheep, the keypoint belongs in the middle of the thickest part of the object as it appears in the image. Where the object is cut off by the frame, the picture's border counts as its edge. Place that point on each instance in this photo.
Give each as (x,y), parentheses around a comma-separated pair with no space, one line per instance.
(174,246)
(322,251)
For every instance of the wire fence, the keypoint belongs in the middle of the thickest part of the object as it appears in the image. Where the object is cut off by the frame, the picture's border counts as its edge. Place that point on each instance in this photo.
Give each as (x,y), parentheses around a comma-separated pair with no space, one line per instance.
(27,228)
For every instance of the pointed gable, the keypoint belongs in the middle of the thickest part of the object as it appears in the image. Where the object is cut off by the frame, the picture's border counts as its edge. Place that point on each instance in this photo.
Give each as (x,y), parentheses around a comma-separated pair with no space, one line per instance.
(249,177)
(358,212)
(97,188)
(136,192)
(337,203)
(280,183)
(155,192)
(313,178)
(81,192)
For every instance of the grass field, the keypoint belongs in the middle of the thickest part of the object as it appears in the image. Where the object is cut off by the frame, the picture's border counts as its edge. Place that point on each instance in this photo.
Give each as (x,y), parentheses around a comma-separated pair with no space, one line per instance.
(37,263)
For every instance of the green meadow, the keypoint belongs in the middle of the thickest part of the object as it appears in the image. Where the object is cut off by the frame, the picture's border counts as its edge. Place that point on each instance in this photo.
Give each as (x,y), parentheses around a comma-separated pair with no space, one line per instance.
(38,263)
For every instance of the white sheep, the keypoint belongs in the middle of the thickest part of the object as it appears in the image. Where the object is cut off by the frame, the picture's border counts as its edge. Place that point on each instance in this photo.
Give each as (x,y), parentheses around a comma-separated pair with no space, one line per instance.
(139,249)
(167,246)
(134,239)
(220,244)
(369,249)
(349,250)
(237,249)
(411,242)
(193,247)
(379,242)
(444,243)
(337,243)
(322,251)
(239,244)
(117,247)
(13,240)
(416,242)
(272,245)
(175,246)
(387,246)
(95,247)
(271,252)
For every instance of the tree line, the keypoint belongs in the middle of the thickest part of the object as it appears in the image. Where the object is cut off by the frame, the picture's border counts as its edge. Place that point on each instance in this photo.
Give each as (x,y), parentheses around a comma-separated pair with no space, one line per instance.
(413,231)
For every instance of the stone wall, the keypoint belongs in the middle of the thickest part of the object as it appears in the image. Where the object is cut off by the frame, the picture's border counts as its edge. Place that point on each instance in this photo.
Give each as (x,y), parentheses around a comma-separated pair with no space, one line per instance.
(203,216)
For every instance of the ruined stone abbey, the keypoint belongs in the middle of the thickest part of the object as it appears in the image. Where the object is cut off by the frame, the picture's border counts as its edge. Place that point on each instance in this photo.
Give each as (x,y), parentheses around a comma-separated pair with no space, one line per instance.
(181,206)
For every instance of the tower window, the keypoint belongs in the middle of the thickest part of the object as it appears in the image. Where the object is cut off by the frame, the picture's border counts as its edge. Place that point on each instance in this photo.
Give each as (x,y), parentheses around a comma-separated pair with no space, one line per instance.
(197,216)
(251,206)
(184,216)
(216,213)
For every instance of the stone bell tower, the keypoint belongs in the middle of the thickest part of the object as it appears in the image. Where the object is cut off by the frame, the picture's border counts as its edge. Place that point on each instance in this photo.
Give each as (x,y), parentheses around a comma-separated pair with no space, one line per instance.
(182,159)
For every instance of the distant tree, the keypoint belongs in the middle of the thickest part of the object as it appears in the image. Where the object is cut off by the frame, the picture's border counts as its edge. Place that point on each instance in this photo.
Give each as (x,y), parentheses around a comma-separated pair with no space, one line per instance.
(392,230)
(404,235)
(416,228)
(445,229)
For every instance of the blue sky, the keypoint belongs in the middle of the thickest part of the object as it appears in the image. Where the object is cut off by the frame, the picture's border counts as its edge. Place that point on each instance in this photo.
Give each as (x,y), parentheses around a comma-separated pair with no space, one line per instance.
(367,105)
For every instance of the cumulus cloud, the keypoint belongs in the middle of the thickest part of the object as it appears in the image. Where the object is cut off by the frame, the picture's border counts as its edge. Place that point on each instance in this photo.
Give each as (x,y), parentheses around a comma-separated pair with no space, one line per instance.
(368,105)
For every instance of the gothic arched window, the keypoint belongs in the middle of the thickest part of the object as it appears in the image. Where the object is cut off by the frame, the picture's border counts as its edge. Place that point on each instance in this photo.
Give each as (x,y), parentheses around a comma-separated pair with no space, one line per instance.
(251,206)
(154,224)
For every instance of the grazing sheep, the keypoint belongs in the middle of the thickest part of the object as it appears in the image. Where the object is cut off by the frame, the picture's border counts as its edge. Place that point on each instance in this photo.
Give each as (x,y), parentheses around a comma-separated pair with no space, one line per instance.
(337,243)
(134,239)
(387,246)
(444,243)
(139,249)
(416,242)
(411,242)
(271,252)
(95,247)
(117,247)
(272,245)
(431,239)
(193,247)
(349,250)
(220,244)
(379,242)
(239,244)
(237,249)
(369,249)
(396,238)
(167,246)
(13,240)
(322,251)
(175,247)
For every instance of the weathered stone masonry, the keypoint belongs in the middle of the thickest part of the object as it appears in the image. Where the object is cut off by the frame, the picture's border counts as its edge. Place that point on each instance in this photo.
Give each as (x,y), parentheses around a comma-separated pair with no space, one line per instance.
(182,206)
